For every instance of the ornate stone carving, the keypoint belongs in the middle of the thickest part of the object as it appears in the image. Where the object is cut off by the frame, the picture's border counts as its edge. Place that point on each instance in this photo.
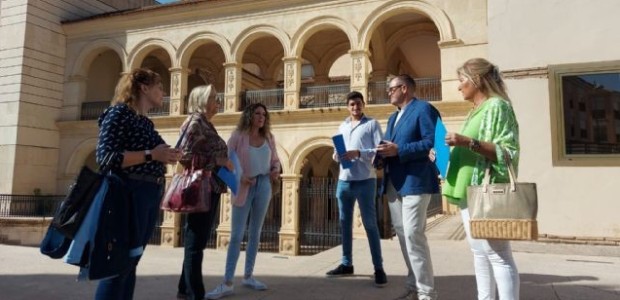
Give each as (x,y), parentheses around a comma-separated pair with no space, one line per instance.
(289,203)
(175,85)
(175,107)
(357,68)
(168,238)
(231,80)
(290,75)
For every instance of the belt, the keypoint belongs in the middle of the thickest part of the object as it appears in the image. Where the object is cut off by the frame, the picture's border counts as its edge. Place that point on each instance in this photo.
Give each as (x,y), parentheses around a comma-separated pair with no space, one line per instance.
(147,178)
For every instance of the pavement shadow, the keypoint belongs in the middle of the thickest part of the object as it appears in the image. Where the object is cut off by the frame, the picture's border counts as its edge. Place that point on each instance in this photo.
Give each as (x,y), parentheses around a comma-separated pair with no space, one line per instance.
(533,287)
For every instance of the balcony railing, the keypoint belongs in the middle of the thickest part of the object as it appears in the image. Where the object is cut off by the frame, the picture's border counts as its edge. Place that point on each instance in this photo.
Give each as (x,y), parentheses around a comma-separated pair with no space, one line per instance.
(324,95)
(428,89)
(273,98)
(92,110)
(28,205)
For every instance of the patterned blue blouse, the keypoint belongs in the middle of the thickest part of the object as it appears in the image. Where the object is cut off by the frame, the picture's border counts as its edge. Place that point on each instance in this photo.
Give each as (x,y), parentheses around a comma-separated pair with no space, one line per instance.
(122,129)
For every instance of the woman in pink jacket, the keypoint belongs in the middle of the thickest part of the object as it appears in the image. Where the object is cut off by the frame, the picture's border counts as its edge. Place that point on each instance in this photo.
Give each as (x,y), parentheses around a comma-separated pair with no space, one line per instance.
(255,146)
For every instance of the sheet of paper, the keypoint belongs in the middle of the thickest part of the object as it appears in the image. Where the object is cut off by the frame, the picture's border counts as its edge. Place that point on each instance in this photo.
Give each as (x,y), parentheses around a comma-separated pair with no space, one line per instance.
(232,179)
(442,150)
(341,149)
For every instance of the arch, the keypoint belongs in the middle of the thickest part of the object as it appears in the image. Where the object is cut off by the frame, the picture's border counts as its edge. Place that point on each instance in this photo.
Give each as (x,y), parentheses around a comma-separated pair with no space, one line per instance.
(397,7)
(330,57)
(89,52)
(407,32)
(284,156)
(79,155)
(318,24)
(253,33)
(194,41)
(305,148)
(142,49)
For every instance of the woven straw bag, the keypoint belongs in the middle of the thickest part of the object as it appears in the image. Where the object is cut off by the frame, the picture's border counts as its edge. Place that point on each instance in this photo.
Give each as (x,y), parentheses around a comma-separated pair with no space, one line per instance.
(504,211)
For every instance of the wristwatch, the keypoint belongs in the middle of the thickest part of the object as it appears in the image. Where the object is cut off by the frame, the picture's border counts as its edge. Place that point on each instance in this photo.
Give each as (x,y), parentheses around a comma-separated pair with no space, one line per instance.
(474,145)
(147,155)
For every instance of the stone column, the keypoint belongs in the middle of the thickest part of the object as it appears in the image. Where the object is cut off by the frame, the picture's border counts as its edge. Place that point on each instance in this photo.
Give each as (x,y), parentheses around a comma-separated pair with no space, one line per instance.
(360,66)
(292,82)
(178,90)
(224,228)
(75,95)
(171,229)
(289,232)
(232,89)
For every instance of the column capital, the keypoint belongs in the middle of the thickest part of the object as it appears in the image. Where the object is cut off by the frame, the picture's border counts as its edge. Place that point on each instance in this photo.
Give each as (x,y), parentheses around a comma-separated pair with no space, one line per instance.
(359,52)
(232,64)
(291,58)
(290,177)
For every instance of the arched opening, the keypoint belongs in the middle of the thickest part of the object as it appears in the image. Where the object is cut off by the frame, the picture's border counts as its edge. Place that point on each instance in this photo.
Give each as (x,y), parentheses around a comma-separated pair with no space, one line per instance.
(405,43)
(262,78)
(158,61)
(325,53)
(102,77)
(318,217)
(206,66)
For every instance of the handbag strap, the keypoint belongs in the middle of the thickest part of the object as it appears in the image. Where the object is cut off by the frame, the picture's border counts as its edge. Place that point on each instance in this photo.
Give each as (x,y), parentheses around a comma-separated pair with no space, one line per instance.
(511,173)
(178,144)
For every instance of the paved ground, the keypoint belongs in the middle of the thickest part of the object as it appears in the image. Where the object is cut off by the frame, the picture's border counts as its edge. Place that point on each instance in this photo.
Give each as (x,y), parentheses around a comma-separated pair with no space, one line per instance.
(548,271)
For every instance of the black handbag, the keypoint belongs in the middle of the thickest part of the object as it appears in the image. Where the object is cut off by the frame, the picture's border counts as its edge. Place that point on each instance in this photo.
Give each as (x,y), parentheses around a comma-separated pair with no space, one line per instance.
(73,208)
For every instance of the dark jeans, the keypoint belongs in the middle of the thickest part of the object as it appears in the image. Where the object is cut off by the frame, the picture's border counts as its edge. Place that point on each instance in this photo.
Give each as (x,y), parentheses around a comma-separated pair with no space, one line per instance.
(197,232)
(120,287)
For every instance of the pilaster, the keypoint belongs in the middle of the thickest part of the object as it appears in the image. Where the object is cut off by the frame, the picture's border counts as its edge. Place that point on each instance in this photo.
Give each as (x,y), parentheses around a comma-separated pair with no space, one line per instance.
(171,230)
(360,71)
(289,232)
(292,82)
(178,90)
(224,229)
(232,89)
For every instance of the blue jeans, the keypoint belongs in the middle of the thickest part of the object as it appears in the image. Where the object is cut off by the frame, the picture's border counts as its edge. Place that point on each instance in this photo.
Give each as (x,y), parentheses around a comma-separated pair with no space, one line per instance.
(146,197)
(255,207)
(364,192)
(197,231)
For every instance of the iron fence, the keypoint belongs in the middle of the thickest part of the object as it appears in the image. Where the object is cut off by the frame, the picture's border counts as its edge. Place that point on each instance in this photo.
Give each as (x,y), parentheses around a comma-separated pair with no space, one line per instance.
(319,224)
(273,98)
(92,110)
(29,205)
(324,95)
(428,89)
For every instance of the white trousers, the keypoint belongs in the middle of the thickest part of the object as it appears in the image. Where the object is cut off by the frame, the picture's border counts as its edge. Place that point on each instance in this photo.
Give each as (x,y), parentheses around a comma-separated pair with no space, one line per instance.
(494,265)
(409,220)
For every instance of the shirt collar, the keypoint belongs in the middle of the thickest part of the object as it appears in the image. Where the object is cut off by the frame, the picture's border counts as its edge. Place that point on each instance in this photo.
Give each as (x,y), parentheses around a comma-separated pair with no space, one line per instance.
(348,120)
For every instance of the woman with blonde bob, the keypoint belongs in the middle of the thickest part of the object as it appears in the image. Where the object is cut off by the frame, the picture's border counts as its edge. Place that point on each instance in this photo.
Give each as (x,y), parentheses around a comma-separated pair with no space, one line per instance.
(206,150)
(255,146)
(139,155)
(489,131)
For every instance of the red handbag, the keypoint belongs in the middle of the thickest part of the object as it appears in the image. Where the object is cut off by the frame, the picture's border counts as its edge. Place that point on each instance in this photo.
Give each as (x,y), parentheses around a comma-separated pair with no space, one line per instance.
(189,192)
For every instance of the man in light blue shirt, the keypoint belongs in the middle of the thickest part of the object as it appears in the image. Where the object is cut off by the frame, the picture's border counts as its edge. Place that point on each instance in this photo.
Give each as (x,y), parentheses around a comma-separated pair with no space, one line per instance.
(361,136)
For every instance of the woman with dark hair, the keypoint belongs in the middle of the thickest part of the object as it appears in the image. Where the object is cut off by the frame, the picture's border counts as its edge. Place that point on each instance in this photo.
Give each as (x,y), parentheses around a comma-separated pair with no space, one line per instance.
(203,149)
(139,155)
(255,146)
(490,132)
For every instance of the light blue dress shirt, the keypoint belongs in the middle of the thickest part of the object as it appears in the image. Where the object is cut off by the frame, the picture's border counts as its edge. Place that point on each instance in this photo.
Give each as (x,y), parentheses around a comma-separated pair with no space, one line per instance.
(365,137)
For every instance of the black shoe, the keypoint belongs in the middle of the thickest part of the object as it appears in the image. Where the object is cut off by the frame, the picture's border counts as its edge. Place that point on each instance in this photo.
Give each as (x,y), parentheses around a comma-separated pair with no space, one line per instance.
(380,278)
(341,270)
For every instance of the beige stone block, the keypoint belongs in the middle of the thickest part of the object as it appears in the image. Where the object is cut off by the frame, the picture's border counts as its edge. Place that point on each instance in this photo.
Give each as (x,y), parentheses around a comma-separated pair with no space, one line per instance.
(42,73)
(12,70)
(50,58)
(35,62)
(28,177)
(8,135)
(38,137)
(9,113)
(45,39)
(11,61)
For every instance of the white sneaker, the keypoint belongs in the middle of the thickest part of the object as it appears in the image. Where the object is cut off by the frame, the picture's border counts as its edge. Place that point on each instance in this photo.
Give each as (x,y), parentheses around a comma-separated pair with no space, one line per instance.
(255,284)
(220,291)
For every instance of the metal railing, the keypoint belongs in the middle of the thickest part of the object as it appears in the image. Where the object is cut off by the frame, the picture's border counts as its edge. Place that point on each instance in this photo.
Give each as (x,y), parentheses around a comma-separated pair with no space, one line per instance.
(324,95)
(272,98)
(428,89)
(163,110)
(92,110)
(592,148)
(28,205)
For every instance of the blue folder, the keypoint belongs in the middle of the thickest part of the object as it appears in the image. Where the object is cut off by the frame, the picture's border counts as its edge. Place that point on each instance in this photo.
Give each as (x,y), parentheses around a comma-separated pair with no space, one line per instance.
(341,149)
(232,179)
(442,150)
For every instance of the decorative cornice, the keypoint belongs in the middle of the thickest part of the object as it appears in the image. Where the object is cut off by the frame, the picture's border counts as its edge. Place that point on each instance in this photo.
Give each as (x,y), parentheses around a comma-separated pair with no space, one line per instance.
(450,43)
(538,72)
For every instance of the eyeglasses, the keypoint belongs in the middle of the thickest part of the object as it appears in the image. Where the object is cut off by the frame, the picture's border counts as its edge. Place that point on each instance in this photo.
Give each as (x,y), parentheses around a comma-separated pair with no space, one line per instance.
(391,89)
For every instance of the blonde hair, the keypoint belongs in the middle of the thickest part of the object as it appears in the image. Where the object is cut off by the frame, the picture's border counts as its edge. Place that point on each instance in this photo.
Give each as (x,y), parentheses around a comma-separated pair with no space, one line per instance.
(245,122)
(199,98)
(485,76)
(129,86)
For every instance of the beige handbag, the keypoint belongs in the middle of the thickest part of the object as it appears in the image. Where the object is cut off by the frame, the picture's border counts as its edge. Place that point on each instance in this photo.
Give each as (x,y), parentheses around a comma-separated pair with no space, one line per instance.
(504,211)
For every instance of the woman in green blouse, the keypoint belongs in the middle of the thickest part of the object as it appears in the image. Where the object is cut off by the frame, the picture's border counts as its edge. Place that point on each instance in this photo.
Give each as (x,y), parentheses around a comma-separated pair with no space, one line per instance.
(490,128)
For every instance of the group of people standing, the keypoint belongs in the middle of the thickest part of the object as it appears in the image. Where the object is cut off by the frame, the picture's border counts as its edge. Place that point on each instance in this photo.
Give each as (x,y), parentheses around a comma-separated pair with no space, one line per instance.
(404,153)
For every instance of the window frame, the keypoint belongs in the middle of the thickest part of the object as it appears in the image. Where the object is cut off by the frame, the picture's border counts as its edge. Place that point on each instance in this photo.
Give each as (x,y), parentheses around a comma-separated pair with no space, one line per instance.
(558,130)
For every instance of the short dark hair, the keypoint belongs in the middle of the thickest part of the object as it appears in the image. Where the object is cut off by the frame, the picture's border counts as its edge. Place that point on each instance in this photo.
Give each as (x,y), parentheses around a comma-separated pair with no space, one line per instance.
(406,80)
(355,95)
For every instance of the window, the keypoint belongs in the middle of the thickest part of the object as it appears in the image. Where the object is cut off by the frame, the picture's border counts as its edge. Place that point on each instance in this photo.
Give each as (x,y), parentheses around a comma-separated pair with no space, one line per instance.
(584,101)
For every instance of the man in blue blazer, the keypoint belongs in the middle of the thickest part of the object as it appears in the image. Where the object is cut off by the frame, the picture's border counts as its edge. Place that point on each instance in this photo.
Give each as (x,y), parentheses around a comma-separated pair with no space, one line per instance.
(409,180)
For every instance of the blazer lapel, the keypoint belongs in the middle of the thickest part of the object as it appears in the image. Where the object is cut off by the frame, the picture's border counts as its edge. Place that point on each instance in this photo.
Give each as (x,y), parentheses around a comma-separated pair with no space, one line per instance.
(403,119)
